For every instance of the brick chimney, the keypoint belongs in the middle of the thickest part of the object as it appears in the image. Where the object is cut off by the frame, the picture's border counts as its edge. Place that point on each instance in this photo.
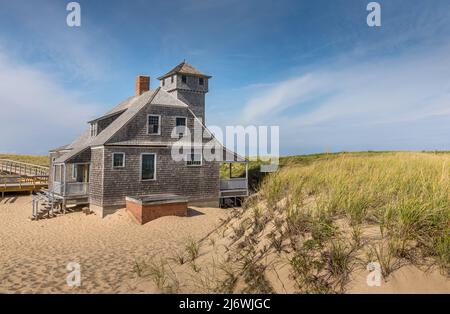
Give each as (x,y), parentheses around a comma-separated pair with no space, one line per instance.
(142,84)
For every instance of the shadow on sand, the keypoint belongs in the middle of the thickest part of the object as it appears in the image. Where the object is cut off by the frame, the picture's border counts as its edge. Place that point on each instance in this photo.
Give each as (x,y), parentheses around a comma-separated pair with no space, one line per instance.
(192,212)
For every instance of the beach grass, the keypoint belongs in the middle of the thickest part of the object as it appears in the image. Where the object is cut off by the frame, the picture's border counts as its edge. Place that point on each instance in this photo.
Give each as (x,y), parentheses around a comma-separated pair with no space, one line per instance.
(39,160)
(405,194)
(317,223)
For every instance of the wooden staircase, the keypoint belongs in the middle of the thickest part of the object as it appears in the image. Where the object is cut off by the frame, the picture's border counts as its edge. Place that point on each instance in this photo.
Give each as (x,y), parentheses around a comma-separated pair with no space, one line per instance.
(46,205)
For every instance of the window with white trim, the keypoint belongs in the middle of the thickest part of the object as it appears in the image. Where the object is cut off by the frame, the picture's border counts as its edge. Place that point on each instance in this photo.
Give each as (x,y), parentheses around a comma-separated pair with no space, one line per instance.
(118,160)
(194,159)
(180,124)
(148,167)
(58,173)
(94,128)
(154,124)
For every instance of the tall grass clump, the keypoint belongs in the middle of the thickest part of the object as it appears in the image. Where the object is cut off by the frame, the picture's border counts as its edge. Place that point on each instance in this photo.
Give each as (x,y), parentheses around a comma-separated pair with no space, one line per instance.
(406,194)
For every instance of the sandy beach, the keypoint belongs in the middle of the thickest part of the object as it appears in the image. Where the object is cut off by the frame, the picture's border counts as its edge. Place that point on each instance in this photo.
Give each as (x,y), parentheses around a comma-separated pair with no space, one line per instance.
(34,254)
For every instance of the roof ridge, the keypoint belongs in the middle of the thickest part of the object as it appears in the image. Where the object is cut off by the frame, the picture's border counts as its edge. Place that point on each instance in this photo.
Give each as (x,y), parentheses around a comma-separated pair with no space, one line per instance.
(184,67)
(104,137)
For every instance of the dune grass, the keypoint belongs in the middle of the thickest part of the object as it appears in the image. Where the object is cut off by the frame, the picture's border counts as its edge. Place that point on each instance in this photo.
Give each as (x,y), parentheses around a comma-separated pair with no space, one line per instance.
(31,159)
(255,176)
(321,218)
(406,194)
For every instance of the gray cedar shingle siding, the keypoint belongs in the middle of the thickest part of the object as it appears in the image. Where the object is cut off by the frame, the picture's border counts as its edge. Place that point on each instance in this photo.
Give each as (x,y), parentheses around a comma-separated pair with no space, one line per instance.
(195,100)
(136,131)
(196,183)
(96,175)
(104,123)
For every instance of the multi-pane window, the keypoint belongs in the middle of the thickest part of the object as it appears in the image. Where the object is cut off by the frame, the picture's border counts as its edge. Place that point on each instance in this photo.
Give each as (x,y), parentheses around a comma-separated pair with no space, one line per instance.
(148,167)
(93,129)
(201,81)
(118,160)
(180,123)
(154,126)
(183,78)
(194,159)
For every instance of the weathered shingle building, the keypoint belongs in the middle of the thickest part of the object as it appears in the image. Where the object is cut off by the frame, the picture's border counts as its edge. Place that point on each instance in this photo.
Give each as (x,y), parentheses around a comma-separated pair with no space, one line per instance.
(127,151)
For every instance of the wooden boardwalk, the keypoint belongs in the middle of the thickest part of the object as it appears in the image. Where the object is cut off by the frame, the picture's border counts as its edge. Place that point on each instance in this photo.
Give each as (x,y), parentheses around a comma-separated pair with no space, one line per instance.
(21,168)
(21,177)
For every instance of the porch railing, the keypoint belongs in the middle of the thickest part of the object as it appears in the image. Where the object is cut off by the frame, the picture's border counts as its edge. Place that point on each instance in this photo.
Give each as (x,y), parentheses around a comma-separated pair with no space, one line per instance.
(234,184)
(70,189)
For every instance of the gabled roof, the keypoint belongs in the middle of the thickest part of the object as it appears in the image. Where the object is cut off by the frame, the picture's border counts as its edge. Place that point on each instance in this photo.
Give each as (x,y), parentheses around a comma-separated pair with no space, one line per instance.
(60,148)
(124,105)
(184,68)
(130,108)
(84,142)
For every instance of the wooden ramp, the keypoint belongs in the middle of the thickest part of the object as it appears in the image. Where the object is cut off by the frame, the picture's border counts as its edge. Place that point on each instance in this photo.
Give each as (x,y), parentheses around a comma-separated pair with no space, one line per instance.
(21,177)
(13,167)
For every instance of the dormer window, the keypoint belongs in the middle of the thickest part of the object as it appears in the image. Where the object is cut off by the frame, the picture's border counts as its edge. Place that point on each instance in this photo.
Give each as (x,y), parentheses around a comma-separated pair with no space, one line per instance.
(183,78)
(94,129)
(154,124)
(201,81)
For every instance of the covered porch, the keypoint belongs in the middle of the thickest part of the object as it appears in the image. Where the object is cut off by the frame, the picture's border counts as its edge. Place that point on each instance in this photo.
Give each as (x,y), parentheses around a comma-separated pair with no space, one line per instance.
(68,185)
(233,182)
(71,182)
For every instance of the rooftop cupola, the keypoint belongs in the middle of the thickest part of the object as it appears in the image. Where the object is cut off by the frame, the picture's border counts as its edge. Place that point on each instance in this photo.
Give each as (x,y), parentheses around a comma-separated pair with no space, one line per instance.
(187,84)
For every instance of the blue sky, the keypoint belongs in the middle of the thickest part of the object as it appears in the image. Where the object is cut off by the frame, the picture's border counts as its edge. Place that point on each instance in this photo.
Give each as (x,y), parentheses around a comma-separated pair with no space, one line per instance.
(312,67)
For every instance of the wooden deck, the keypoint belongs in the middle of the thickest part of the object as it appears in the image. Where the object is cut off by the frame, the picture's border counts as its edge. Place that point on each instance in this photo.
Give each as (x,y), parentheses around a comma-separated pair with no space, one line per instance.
(22,184)
(21,177)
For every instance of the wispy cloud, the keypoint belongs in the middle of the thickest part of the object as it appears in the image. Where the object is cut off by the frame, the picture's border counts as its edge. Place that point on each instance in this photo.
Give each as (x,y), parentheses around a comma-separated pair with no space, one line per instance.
(36,111)
(74,53)
(281,96)
(368,105)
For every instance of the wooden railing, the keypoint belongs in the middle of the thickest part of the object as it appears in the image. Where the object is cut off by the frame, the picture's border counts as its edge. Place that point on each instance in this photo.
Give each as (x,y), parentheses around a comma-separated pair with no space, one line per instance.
(23,181)
(234,184)
(70,189)
(22,168)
